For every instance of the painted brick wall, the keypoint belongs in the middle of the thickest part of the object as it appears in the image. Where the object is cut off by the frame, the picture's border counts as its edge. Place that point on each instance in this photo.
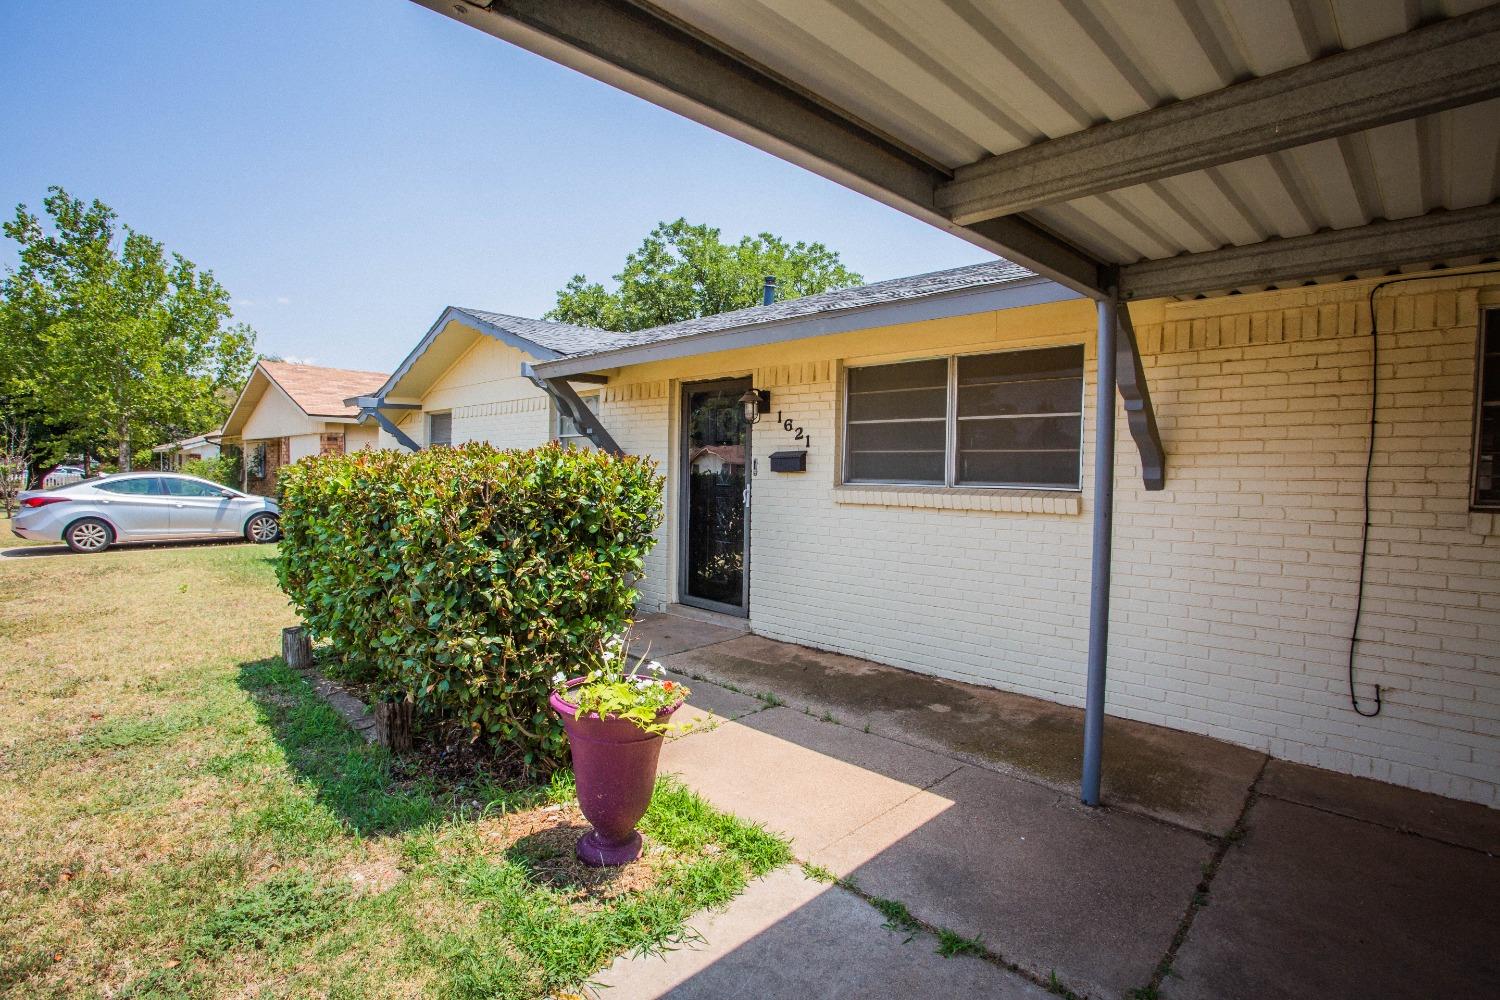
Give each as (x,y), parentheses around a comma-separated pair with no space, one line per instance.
(512,423)
(1233,589)
(639,418)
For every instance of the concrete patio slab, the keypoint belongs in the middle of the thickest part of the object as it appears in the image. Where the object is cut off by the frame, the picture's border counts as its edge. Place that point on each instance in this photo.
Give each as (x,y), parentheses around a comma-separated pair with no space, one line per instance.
(1092,895)
(659,636)
(1467,824)
(1191,780)
(1311,904)
(710,703)
(791,937)
(813,781)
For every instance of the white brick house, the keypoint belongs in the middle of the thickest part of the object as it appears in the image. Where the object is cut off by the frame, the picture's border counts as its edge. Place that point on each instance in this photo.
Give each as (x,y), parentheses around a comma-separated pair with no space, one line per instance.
(1234,587)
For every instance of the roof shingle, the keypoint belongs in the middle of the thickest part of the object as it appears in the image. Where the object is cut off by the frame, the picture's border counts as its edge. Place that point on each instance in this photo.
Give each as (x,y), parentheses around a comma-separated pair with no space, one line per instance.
(321,391)
(571,341)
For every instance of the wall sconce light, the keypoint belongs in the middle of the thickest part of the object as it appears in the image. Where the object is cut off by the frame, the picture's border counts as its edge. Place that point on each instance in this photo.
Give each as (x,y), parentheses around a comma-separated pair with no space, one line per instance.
(755,402)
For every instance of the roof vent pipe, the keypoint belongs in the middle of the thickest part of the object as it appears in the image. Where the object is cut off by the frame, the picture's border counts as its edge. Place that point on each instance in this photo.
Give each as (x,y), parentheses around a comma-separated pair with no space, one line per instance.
(769,295)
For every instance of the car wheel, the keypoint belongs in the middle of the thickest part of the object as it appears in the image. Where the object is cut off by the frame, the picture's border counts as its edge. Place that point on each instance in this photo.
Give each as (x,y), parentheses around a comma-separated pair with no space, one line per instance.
(88,536)
(263,528)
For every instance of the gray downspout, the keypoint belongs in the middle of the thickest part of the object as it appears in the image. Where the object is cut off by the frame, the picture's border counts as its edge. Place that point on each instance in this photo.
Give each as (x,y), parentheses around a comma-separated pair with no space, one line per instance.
(1104,502)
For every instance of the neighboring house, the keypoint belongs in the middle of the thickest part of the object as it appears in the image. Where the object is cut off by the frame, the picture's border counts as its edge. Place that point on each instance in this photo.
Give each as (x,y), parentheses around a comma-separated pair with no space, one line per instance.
(942,523)
(465,381)
(200,447)
(287,412)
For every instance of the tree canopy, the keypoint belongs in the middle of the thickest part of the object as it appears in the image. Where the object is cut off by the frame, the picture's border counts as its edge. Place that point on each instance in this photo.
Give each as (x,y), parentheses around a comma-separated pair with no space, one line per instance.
(683,271)
(111,342)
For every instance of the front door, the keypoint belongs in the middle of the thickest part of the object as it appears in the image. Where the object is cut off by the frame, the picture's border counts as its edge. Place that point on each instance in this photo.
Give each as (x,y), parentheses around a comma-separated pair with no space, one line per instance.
(715,560)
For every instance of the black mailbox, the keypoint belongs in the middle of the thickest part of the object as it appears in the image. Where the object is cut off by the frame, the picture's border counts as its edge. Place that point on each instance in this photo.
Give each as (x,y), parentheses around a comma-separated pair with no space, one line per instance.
(789,461)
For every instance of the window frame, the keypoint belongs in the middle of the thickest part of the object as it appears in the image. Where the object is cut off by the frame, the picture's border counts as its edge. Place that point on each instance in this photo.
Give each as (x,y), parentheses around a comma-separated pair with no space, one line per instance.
(430,414)
(950,441)
(1487,317)
(574,439)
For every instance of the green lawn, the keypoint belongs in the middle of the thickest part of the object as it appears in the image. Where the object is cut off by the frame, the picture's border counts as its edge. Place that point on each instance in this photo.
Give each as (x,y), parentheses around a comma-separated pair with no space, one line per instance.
(181,817)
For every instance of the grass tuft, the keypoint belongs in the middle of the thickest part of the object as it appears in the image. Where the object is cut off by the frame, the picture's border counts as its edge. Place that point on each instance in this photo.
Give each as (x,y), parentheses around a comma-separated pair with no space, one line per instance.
(897,917)
(952,943)
(285,908)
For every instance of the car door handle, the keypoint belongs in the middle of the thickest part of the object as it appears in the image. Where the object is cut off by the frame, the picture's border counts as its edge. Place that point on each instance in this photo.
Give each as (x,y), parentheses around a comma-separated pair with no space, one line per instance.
(179,505)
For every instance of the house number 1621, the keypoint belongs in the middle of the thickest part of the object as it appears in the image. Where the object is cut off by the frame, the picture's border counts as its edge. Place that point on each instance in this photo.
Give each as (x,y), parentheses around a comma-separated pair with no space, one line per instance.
(798,434)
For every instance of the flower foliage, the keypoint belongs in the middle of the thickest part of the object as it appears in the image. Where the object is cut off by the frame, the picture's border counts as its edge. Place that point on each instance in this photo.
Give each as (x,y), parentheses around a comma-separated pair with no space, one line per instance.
(466,577)
(621,690)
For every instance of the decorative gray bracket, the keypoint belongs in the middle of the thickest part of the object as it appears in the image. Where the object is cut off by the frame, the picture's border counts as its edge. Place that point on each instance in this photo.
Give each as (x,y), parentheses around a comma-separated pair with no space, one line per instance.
(387,425)
(572,406)
(1130,374)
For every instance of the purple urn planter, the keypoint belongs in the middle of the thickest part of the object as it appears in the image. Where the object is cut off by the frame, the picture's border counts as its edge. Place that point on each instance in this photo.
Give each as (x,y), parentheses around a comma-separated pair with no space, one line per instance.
(614,766)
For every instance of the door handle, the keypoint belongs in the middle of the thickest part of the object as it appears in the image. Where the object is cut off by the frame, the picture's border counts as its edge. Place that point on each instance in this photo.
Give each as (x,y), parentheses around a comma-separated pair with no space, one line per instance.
(179,505)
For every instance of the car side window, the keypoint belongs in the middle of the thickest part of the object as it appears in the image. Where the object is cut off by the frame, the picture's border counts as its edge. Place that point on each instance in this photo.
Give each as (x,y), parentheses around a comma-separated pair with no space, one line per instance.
(140,486)
(192,488)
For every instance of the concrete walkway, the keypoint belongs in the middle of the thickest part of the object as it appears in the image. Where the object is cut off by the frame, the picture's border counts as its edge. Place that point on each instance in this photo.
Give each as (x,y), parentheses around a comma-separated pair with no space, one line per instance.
(1213,874)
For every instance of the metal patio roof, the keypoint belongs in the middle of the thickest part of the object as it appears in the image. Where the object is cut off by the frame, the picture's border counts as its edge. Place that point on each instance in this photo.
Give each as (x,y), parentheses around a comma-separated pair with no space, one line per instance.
(1177,146)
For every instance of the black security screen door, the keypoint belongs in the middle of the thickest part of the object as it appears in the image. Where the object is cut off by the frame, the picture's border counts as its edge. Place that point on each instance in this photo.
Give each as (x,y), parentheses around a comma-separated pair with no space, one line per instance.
(715,448)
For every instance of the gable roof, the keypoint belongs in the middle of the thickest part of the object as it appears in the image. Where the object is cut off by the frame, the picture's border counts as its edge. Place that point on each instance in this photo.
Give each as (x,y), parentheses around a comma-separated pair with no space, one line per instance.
(317,391)
(560,338)
(957,291)
(541,339)
(321,392)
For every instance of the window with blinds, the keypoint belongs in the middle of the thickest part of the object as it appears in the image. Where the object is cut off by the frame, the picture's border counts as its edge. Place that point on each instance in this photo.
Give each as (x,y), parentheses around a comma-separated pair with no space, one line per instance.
(896,428)
(1009,419)
(1020,418)
(1487,416)
(439,429)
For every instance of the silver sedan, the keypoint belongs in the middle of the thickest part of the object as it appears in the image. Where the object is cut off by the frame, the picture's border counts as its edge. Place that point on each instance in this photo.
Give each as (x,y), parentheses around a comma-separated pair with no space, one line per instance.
(144,507)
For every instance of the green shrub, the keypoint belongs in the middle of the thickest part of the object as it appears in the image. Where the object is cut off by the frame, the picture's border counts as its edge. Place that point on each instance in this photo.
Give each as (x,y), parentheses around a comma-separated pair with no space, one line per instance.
(466,577)
(223,470)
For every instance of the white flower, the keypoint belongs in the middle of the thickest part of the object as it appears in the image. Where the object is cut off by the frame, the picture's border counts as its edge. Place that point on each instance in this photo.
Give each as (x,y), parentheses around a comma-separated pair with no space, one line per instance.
(559,678)
(654,667)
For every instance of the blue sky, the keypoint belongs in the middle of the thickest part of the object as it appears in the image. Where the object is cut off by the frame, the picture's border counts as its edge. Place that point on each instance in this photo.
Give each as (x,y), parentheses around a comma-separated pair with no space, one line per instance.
(350,167)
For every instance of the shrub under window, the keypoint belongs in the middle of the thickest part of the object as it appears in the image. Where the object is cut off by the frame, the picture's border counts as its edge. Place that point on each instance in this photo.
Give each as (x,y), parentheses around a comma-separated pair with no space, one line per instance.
(1013,418)
(464,578)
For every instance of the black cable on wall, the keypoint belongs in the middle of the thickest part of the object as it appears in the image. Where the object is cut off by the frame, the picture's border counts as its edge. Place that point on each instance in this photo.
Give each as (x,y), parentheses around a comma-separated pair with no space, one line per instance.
(1364,538)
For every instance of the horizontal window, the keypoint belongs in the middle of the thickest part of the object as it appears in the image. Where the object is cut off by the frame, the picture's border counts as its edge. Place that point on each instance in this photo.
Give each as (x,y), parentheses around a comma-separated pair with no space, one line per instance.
(1013,418)
(897,423)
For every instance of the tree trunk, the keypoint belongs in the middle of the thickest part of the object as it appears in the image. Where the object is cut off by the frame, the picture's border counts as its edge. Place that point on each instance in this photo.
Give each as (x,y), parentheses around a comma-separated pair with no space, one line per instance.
(393,725)
(296,648)
(124,446)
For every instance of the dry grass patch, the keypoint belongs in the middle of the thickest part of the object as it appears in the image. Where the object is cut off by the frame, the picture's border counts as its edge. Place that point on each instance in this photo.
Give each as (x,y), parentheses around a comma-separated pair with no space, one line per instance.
(181,816)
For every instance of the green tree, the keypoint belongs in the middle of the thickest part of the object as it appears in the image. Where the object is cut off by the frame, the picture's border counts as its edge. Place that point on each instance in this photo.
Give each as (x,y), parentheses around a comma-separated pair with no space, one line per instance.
(113,341)
(683,271)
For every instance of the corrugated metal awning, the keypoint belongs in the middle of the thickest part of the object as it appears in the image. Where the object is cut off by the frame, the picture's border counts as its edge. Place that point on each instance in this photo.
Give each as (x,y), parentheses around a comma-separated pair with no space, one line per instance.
(921,103)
